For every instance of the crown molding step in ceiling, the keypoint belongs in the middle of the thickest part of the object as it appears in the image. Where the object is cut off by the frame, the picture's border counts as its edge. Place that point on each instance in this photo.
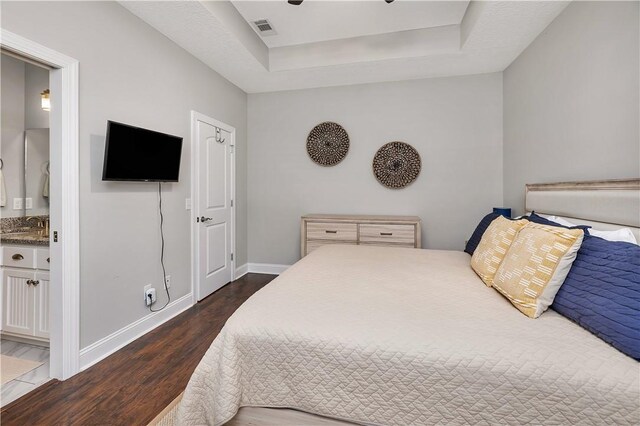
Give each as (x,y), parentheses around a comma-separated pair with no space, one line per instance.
(321,43)
(318,21)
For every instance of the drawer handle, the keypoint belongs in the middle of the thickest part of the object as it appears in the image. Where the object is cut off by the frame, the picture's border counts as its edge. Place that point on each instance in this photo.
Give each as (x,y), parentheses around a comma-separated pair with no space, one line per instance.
(331,232)
(17,256)
(386,233)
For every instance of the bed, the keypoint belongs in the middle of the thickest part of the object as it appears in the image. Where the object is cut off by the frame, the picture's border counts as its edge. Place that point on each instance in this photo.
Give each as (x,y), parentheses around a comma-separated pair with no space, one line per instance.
(397,336)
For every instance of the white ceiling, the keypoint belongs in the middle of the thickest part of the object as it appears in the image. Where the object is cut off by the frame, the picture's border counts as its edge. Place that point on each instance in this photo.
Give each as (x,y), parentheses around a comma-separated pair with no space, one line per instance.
(315,21)
(489,37)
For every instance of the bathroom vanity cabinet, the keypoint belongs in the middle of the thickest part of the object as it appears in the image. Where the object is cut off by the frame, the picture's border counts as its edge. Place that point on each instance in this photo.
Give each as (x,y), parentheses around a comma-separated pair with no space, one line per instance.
(25,291)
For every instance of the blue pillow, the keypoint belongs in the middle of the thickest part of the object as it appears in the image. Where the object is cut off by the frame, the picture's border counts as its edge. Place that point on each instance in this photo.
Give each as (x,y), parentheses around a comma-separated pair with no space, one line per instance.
(477,234)
(602,293)
(533,217)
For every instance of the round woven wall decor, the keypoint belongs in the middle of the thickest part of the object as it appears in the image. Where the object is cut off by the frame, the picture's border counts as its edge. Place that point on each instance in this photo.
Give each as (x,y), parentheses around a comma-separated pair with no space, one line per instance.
(396,164)
(328,143)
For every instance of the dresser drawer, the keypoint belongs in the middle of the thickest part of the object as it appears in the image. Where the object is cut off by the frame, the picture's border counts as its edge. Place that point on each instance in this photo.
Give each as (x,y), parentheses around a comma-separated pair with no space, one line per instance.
(42,259)
(332,231)
(315,244)
(317,230)
(18,257)
(392,234)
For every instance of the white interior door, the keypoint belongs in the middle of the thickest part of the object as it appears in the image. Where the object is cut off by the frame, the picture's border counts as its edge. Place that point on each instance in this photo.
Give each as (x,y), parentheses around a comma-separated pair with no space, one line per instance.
(213,205)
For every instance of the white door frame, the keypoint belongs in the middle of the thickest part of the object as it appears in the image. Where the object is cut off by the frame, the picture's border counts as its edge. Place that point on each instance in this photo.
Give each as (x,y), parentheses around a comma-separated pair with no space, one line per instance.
(195,186)
(65,266)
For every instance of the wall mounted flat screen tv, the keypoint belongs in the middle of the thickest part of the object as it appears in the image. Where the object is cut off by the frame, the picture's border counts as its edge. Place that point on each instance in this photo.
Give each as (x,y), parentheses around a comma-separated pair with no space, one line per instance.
(136,154)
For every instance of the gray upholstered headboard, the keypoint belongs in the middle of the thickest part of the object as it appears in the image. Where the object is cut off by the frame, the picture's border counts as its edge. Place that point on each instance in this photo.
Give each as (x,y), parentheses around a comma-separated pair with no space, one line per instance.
(605,205)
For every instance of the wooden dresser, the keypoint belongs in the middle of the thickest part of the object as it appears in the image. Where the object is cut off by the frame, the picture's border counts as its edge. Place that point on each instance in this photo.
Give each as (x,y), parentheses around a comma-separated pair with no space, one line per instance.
(321,229)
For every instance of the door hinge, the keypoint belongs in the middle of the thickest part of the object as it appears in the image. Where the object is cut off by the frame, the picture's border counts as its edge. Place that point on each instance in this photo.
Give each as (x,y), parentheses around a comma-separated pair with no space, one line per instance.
(231,256)
(55,236)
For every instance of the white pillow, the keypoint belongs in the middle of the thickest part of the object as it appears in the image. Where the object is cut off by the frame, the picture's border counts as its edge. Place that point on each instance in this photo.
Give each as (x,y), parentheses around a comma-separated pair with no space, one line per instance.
(622,234)
(561,221)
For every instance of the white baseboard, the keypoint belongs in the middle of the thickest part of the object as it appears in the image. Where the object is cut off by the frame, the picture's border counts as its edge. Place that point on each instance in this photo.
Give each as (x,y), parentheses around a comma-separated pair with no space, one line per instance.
(104,347)
(242,270)
(267,268)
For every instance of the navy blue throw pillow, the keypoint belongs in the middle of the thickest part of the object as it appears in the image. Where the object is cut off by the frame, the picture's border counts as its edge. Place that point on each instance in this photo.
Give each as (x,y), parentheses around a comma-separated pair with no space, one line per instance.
(477,234)
(535,218)
(602,293)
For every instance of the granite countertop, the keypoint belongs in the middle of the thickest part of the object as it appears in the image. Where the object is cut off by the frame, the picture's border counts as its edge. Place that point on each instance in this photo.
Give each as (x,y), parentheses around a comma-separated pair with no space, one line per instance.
(31,237)
(24,230)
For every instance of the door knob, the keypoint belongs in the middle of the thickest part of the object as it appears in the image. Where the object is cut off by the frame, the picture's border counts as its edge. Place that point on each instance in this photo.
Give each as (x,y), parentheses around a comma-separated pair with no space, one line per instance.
(205,219)
(35,282)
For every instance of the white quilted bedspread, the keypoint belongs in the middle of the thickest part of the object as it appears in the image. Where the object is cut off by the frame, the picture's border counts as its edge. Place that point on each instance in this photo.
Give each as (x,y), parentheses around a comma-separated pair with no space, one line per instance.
(400,336)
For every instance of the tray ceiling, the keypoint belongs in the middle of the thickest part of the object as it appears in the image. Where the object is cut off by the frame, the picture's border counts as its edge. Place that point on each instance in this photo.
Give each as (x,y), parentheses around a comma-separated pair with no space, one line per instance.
(316,21)
(367,42)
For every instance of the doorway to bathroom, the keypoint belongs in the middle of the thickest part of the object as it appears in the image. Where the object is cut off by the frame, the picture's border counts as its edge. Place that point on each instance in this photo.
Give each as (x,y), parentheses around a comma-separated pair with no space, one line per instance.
(24,226)
(39,229)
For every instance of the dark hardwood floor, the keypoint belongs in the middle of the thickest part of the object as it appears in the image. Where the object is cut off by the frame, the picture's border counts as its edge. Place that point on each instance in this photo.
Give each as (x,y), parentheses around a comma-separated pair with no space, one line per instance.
(134,384)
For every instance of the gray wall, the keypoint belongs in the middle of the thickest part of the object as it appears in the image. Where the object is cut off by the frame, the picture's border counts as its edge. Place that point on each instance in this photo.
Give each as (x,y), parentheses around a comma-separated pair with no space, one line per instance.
(36,82)
(131,73)
(571,100)
(454,123)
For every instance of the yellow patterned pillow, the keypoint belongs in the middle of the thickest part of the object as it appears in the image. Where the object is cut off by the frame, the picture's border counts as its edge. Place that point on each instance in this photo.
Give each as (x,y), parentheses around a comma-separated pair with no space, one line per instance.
(493,246)
(536,265)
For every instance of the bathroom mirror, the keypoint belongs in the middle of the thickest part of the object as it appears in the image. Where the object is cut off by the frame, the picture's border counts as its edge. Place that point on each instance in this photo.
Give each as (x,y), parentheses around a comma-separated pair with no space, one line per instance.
(36,171)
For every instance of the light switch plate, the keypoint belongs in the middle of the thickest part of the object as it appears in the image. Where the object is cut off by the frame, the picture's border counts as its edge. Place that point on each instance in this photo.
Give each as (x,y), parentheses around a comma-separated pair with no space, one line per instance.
(28,203)
(187,203)
(18,203)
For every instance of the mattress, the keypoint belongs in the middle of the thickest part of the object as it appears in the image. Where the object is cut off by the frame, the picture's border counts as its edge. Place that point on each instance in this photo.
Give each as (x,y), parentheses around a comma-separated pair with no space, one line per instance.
(399,336)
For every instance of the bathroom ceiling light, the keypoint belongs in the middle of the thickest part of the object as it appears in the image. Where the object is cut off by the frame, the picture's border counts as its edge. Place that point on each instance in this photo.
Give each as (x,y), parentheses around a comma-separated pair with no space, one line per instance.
(46,102)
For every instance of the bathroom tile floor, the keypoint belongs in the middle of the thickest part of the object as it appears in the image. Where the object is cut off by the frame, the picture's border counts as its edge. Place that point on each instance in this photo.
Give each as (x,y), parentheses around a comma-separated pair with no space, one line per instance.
(29,381)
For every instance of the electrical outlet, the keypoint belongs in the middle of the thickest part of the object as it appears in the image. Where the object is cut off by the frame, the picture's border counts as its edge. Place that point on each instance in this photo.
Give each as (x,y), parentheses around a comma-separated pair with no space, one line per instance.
(28,203)
(149,295)
(153,298)
(18,203)
(167,279)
